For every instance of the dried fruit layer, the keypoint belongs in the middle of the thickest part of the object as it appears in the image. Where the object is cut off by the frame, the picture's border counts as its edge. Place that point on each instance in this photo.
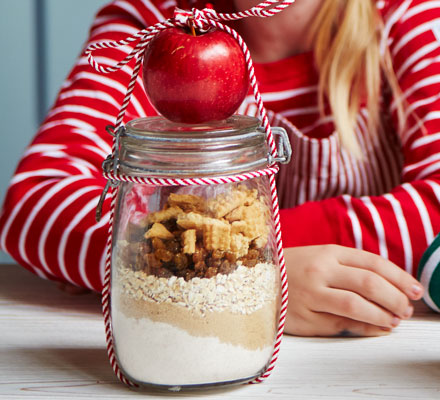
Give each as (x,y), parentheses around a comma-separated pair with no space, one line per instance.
(195,238)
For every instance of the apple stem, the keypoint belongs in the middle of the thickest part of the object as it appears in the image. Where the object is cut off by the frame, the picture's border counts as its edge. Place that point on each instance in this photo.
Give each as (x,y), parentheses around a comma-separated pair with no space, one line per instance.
(191,27)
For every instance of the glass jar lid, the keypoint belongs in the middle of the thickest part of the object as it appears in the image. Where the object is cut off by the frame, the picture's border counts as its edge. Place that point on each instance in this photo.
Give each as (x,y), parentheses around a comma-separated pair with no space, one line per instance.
(157,147)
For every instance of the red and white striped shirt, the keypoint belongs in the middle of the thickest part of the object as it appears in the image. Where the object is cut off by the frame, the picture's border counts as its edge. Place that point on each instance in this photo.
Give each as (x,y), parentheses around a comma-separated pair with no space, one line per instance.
(386,203)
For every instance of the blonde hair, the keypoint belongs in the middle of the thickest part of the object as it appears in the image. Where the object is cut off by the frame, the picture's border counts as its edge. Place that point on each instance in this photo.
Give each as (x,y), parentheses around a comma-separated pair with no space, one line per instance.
(346,37)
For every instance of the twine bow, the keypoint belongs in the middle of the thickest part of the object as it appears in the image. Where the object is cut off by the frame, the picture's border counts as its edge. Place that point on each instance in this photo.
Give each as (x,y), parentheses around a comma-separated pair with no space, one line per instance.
(203,20)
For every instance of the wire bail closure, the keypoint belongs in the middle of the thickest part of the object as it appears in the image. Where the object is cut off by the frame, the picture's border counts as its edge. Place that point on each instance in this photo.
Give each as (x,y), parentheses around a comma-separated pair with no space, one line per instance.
(110,164)
(284,149)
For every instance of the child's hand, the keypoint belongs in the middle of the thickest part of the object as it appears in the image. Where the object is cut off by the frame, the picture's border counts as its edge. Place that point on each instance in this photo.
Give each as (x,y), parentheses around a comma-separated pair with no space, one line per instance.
(335,290)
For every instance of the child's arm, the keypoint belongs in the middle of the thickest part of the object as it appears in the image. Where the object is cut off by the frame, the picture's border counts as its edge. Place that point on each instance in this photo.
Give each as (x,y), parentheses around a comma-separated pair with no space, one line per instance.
(48,219)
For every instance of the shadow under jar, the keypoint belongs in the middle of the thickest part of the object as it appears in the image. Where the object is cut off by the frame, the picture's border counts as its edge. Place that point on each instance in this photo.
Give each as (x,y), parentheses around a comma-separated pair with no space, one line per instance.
(195,287)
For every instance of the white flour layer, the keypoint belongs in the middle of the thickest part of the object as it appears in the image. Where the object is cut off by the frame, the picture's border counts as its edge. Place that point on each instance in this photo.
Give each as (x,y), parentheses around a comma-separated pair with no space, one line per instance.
(162,354)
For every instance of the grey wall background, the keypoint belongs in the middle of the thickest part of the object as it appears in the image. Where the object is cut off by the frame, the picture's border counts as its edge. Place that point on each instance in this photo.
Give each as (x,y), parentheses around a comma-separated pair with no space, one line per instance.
(40,42)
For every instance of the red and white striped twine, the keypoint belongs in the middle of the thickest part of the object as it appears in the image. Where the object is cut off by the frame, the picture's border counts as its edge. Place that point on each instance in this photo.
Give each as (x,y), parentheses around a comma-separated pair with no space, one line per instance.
(214,180)
(202,19)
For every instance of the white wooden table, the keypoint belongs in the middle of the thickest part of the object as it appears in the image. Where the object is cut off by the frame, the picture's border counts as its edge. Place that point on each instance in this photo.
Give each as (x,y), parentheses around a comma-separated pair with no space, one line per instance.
(52,346)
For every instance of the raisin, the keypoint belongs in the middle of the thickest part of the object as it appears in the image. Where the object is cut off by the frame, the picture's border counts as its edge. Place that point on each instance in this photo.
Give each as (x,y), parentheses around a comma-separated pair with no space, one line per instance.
(210,272)
(143,247)
(211,262)
(199,255)
(181,261)
(164,255)
(177,234)
(152,261)
(200,274)
(231,257)
(170,224)
(250,263)
(157,243)
(164,273)
(147,247)
(199,266)
(253,254)
(173,246)
(189,275)
(226,267)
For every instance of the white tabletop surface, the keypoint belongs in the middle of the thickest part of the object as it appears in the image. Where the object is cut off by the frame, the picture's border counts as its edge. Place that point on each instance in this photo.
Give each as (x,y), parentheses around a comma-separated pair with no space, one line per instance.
(52,346)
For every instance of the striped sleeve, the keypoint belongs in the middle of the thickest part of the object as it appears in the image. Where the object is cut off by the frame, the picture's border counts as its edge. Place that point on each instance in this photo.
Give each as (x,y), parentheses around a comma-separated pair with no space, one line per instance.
(47,222)
(398,225)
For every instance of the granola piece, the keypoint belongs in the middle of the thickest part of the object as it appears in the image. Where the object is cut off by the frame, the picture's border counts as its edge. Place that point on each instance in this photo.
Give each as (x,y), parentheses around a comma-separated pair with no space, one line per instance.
(158,231)
(216,234)
(239,245)
(257,229)
(238,227)
(245,213)
(164,215)
(191,220)
(225,203)
(255,216)
(189,241)
(260,242)
(187,202)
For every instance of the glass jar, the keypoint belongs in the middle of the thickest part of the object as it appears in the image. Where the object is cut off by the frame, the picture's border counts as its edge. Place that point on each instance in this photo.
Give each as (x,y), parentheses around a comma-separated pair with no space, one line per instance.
(195,287)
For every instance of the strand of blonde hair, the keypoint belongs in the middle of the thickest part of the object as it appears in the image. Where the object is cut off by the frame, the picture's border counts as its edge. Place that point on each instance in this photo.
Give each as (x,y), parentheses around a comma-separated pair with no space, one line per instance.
(346,37)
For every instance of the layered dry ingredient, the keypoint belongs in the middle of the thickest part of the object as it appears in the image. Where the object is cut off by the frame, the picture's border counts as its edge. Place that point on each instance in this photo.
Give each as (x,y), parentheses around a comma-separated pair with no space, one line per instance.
(195,291)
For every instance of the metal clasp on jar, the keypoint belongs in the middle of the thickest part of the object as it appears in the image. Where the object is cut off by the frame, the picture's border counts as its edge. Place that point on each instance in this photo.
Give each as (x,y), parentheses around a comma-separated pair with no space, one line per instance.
(110,164)
(284,149)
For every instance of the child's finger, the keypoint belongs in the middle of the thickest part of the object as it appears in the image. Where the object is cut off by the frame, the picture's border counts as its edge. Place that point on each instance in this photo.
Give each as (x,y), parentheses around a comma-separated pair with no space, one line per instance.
(334,325)
(388,270)
(374,288)
(345,303)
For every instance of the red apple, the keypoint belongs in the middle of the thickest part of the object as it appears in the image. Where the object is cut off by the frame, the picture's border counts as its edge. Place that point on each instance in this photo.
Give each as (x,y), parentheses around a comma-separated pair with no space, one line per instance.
(194,79)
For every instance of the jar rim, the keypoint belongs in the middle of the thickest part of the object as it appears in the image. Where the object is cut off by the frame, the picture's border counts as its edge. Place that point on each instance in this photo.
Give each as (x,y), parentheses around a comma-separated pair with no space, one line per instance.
(160,129)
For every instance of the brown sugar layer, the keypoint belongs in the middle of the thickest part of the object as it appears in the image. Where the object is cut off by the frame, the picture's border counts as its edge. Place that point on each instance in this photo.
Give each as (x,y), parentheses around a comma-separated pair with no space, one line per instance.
(253,331)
